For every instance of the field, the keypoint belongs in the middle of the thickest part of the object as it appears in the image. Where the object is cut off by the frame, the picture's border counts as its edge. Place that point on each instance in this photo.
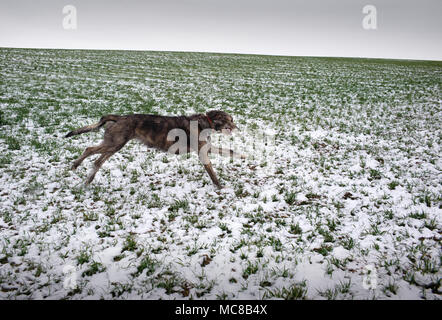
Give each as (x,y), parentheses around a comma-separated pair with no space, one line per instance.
(339,198)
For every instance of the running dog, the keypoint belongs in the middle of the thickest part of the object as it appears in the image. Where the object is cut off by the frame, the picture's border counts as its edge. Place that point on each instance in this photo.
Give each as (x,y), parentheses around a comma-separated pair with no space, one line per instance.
(155,132)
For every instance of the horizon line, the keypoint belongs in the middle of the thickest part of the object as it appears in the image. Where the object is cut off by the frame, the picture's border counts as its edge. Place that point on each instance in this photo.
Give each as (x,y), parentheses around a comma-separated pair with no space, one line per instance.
(227,53)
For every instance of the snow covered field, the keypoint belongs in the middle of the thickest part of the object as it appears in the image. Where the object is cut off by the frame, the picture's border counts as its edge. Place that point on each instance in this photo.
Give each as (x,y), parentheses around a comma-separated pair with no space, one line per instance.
(343,203)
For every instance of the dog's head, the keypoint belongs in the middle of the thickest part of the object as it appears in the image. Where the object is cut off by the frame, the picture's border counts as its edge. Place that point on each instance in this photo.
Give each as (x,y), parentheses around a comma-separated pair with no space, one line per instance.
(222,121)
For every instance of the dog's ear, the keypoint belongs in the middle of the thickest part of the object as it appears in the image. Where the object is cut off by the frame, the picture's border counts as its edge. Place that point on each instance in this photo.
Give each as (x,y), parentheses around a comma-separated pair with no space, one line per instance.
(212,114)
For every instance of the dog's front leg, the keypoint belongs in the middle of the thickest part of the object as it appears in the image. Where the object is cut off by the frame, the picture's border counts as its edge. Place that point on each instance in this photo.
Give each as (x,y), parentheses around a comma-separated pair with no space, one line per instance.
(204,158)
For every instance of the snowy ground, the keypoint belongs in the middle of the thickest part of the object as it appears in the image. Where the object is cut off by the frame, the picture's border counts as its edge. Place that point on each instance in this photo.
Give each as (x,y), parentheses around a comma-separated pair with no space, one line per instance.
(344,204)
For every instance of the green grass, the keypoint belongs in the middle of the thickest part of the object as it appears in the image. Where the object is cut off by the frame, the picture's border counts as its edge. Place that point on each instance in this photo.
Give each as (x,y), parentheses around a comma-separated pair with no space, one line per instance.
(355,170)
(148,265)
(293,292)
(179,204)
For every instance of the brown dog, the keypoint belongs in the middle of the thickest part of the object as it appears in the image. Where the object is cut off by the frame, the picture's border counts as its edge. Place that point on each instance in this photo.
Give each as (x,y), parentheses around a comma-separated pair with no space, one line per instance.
(160,132)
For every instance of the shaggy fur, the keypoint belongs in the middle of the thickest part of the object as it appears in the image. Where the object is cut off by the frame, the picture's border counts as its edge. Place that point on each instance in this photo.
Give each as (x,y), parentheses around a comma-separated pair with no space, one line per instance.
(153,130)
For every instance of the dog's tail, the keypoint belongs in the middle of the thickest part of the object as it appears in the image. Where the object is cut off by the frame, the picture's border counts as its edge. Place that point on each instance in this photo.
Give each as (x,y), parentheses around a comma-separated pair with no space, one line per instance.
(94,126)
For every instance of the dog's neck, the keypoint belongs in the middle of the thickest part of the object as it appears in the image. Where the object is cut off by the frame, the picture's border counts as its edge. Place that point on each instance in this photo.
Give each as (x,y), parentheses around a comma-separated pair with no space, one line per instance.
(203,120)
(210,122)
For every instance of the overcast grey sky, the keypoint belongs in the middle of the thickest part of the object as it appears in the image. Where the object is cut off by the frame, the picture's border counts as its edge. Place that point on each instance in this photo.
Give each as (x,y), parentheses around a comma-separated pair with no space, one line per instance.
(406,29)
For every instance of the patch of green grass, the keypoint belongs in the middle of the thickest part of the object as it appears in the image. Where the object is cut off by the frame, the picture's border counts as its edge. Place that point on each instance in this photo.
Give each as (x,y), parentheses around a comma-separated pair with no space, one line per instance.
(90,216)
(191,250)
(83,257)
(418,215)
(3,119)
(251,268)
(240,192)
(12,142)
(275,243)
(225,228)
(391,287)
(290,198)
(428,198)
(296,291)
(5,160)
(118,289)
(431,224)
(148,264)
(170,283)
(328,236)
(179,204)
(348,243)
(130,244)
(393,184)
(94,267)
(324,249)
(374,174)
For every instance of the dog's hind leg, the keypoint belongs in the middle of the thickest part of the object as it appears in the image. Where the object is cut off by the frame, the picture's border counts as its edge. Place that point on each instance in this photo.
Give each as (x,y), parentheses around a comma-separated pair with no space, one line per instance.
(88,152)
(102,159)
(97,165)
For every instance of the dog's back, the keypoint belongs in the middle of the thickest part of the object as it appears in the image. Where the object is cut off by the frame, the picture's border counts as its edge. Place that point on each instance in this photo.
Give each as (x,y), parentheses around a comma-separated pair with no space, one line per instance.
(153,130)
